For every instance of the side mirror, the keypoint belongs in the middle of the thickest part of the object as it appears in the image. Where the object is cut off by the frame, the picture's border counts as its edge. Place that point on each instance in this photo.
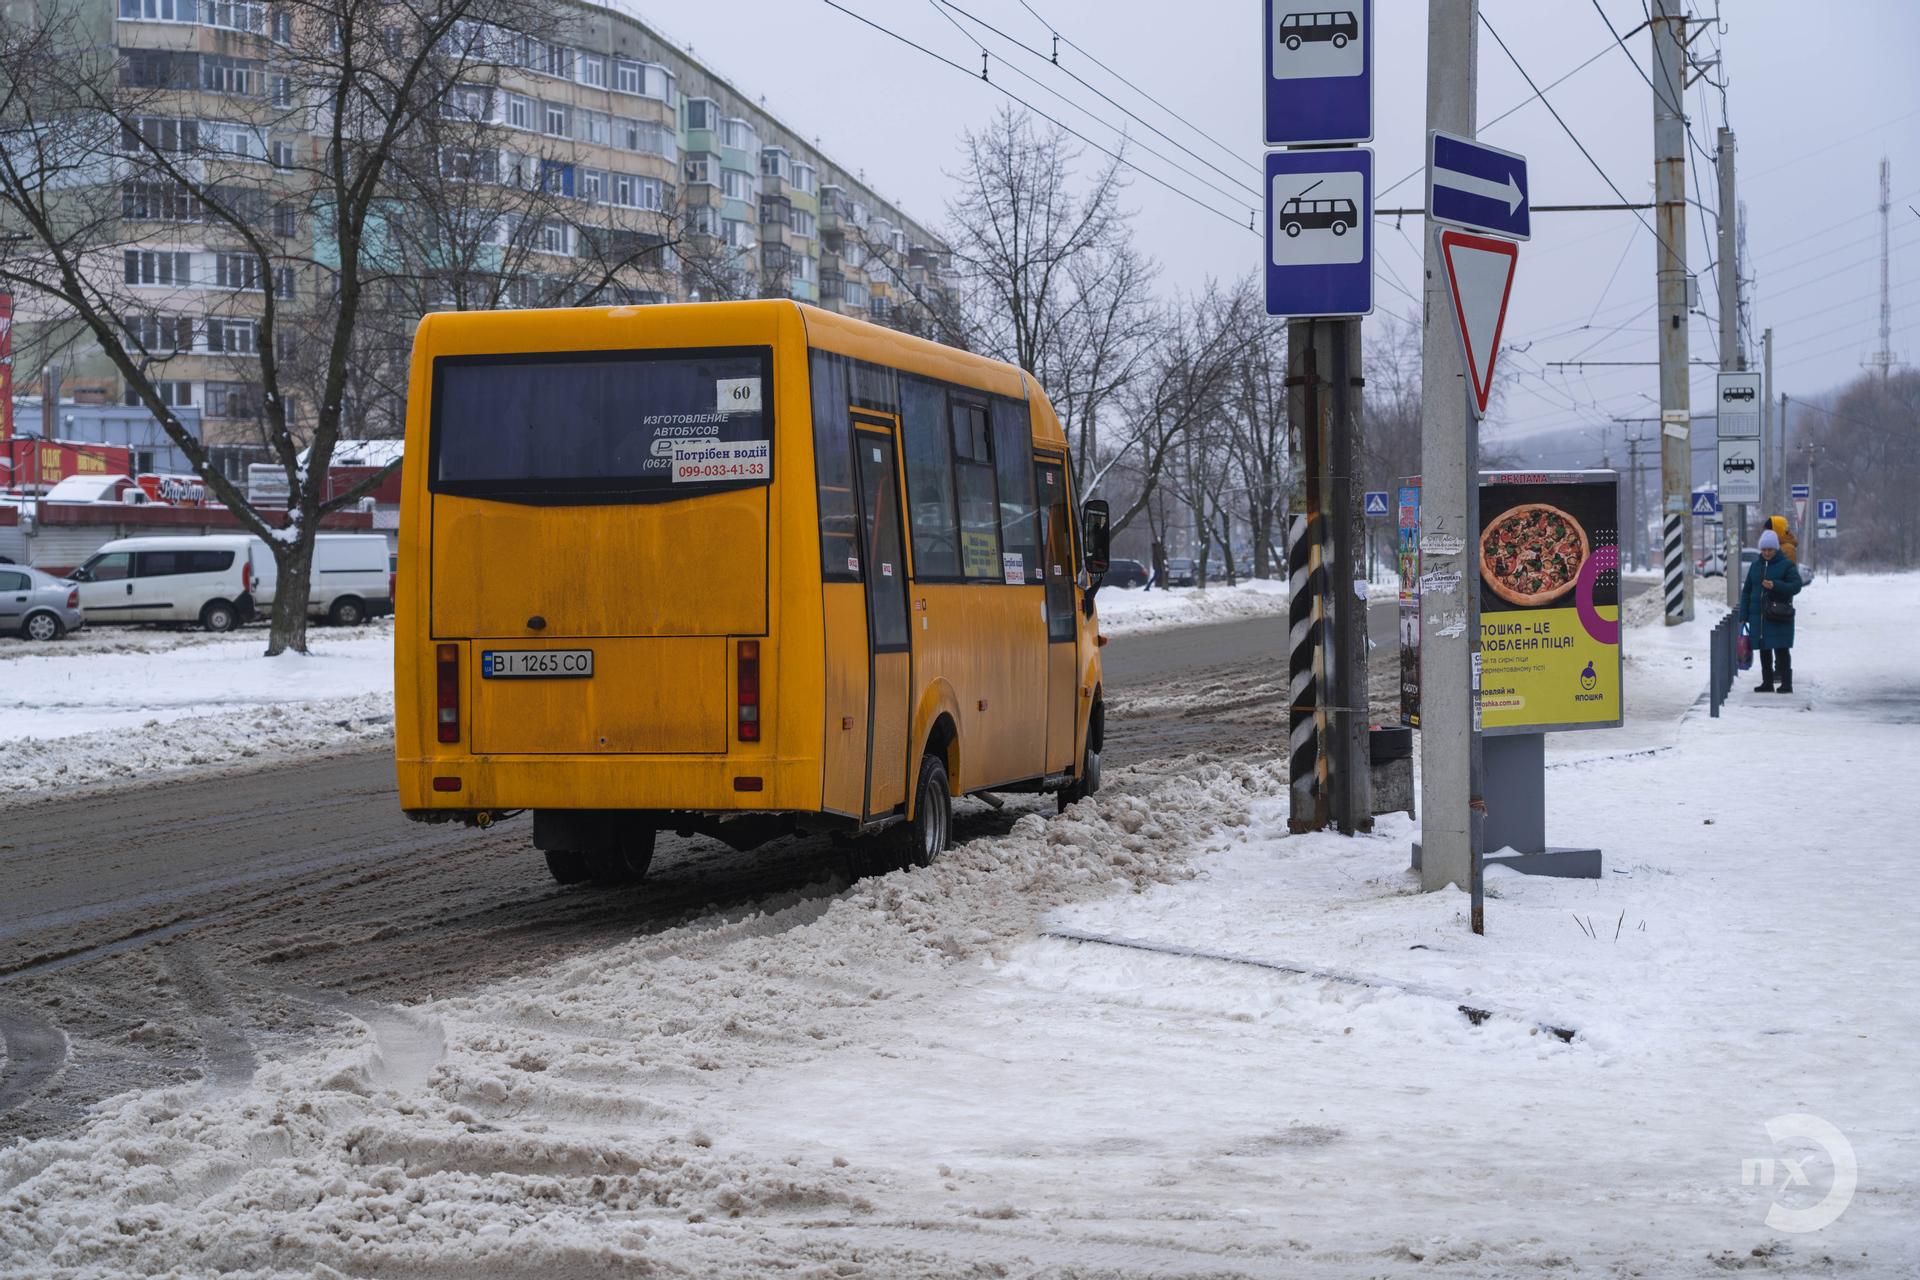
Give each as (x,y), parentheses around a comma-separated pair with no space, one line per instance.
(80,575)
(1094,542)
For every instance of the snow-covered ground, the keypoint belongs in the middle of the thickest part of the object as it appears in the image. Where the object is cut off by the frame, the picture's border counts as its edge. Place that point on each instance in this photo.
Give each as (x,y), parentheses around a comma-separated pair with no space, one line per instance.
(121,704)
(913,1079)
(1124,612)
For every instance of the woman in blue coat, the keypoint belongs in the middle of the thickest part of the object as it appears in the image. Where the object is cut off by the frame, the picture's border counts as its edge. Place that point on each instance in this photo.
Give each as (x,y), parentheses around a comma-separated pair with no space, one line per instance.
(1773,578)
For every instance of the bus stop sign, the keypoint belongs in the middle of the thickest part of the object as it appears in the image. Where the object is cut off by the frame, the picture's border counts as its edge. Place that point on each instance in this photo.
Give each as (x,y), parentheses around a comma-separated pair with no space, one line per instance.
(1319,72)
(1320,232)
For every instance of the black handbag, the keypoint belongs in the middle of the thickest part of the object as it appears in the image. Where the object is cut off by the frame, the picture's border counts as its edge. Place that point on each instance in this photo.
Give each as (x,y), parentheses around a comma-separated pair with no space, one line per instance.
(1776,608)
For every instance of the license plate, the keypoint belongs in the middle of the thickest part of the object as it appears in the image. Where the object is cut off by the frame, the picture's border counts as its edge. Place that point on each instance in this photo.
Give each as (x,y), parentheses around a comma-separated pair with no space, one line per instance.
(559,664)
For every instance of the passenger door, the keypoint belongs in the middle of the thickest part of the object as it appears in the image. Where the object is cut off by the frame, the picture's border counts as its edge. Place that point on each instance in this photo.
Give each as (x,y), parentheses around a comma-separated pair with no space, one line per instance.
(15,591)
(159,587)
(1057,562)
(889,639)
(107,594)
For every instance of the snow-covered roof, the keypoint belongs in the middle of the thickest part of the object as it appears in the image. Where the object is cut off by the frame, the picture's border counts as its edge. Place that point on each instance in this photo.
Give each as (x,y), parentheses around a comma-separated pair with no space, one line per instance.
(364,453)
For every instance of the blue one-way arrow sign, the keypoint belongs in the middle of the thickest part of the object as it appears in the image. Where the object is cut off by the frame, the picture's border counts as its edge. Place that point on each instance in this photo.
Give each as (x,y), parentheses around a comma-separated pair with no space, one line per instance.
(1478,187)
(1377,502)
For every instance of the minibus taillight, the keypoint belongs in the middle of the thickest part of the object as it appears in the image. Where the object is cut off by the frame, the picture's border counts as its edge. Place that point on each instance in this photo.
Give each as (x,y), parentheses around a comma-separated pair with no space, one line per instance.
(748,683)
(447,685)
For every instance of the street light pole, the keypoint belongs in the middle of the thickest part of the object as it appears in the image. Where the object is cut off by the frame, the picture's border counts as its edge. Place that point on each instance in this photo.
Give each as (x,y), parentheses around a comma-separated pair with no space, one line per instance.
(1670,225)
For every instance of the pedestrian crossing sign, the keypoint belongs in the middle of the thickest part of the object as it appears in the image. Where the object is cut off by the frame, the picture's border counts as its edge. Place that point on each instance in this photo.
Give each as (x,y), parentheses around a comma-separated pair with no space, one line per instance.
(1376,504)
(1706,502)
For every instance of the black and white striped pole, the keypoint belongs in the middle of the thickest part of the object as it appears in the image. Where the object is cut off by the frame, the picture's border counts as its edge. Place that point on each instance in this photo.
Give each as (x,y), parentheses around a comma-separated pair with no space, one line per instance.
(1673,565)
(1306,684)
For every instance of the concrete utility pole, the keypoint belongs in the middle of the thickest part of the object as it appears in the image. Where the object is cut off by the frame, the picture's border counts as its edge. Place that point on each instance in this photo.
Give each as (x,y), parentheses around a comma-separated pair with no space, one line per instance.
(1452,812)
(1670,228)
(1733,358)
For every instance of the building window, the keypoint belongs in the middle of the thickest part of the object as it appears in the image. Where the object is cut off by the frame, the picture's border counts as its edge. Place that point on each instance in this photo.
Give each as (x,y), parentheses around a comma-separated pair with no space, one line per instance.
(158,10)
(283,282)
(802,222)
(234,15)
(519,112)
(280,90)
(158,202)
(806,179)
(241,76)
(282,26)
(283,155)
(774,163)
(236,271)
(648,137)
(737,232)
(805,268)
(739,135)
(556,178)
(628,77)
(172,393)
(593,70)
(736,185)
(855,294)
(286,220)
(235,337)
(703,113)
(467,102)
(700,170)
(232,140)
(148,266)
(592,126)
(593,185)
(157,133)
(233,400)
(555,237)
(155,334)
(553,119)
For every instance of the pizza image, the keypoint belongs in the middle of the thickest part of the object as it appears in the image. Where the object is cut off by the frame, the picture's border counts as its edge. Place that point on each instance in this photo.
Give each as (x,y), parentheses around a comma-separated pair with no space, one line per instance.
(1532,554)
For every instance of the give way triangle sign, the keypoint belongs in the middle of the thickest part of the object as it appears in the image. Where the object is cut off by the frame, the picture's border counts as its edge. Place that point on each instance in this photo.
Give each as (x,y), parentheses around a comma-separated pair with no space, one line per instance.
(1479,282)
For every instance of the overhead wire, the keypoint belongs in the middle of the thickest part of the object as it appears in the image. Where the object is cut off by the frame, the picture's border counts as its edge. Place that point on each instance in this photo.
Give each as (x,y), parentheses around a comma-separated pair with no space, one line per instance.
(1055,31)
(1106,151)
(1042,56)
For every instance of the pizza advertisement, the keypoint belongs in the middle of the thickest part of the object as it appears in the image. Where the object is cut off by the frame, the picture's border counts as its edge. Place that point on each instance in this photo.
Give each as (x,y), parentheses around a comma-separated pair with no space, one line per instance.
(1549,601)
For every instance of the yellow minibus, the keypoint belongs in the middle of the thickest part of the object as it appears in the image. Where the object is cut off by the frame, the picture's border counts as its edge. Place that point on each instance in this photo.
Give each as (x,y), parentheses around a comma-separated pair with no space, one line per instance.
(741,569)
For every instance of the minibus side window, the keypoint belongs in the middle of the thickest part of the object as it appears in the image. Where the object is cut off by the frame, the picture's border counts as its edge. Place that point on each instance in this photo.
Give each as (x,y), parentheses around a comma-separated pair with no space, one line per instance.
(833,464)
(979,505)
(933,518)
(1013,466)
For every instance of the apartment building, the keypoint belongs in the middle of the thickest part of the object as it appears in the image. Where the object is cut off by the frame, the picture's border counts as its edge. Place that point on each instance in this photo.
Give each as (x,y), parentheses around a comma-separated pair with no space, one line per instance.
(644,152)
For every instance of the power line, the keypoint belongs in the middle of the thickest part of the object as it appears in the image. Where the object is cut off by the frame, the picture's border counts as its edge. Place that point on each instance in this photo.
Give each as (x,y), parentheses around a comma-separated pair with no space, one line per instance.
(1055,32)
(1040,54)
(1567,129)
(1116,158)
(942,11)
(1528,101)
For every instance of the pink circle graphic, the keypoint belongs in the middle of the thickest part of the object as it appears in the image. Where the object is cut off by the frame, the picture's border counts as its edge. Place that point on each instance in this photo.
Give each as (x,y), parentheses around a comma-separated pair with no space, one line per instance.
(1601,629)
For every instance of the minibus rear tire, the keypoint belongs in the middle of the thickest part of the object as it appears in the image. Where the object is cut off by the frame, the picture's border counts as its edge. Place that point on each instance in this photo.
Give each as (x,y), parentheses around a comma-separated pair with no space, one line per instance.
(567,866)
(218,615)
(622,858)
(931,830)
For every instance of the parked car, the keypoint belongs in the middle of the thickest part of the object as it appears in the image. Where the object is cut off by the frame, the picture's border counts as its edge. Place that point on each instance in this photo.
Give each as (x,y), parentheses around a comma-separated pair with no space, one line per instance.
(1182,572)
(38,605)
(351,578)
(206,580)
(1126,573)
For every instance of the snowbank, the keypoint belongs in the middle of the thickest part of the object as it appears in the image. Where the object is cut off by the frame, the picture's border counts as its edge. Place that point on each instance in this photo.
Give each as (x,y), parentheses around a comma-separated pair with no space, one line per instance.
(129,704)
(1123,612)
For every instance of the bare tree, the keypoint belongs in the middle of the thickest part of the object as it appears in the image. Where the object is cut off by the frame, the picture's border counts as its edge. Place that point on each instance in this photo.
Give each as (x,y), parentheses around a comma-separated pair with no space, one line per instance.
(1261,440)
(302,200)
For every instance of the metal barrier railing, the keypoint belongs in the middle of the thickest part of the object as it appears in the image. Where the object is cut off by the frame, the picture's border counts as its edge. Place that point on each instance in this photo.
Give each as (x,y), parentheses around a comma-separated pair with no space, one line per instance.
(1723,663)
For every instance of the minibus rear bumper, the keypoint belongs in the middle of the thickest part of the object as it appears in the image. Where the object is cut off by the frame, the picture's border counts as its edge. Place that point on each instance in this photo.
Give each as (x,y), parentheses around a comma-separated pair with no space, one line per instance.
(468,784)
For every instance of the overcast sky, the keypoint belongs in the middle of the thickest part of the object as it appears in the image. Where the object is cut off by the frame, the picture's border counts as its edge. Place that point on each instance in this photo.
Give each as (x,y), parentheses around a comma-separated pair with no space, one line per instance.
(1816,94)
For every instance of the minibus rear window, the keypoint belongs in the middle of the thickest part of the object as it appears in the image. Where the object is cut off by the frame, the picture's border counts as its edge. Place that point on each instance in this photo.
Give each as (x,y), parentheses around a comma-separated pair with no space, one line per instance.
(602,425)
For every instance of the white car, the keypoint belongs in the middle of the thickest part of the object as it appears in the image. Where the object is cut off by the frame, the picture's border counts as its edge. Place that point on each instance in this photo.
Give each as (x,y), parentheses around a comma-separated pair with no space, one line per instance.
(350,579)
(206,580)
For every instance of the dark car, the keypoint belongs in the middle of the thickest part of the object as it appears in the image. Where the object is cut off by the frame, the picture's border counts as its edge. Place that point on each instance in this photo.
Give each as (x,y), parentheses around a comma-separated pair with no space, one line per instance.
(1182,572)
(1126,573)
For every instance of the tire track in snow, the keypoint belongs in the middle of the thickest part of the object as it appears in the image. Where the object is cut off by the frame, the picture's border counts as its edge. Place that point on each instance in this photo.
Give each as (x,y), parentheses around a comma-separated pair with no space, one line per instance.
(36,1050)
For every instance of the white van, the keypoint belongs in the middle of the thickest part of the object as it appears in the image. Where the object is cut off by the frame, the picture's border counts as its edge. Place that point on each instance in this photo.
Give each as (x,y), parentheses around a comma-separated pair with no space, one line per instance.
(349,583)
(208,580)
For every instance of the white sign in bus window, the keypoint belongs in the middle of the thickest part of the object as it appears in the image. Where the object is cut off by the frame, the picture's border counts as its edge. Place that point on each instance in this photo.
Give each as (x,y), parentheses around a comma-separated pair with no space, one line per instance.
(736,395)
(709,461)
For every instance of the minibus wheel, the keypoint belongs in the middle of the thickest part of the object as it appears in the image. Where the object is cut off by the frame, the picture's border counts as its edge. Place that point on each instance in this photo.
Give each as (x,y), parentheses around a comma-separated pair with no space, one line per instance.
(567,866)
(218,615)
(622,858)
(931,830)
